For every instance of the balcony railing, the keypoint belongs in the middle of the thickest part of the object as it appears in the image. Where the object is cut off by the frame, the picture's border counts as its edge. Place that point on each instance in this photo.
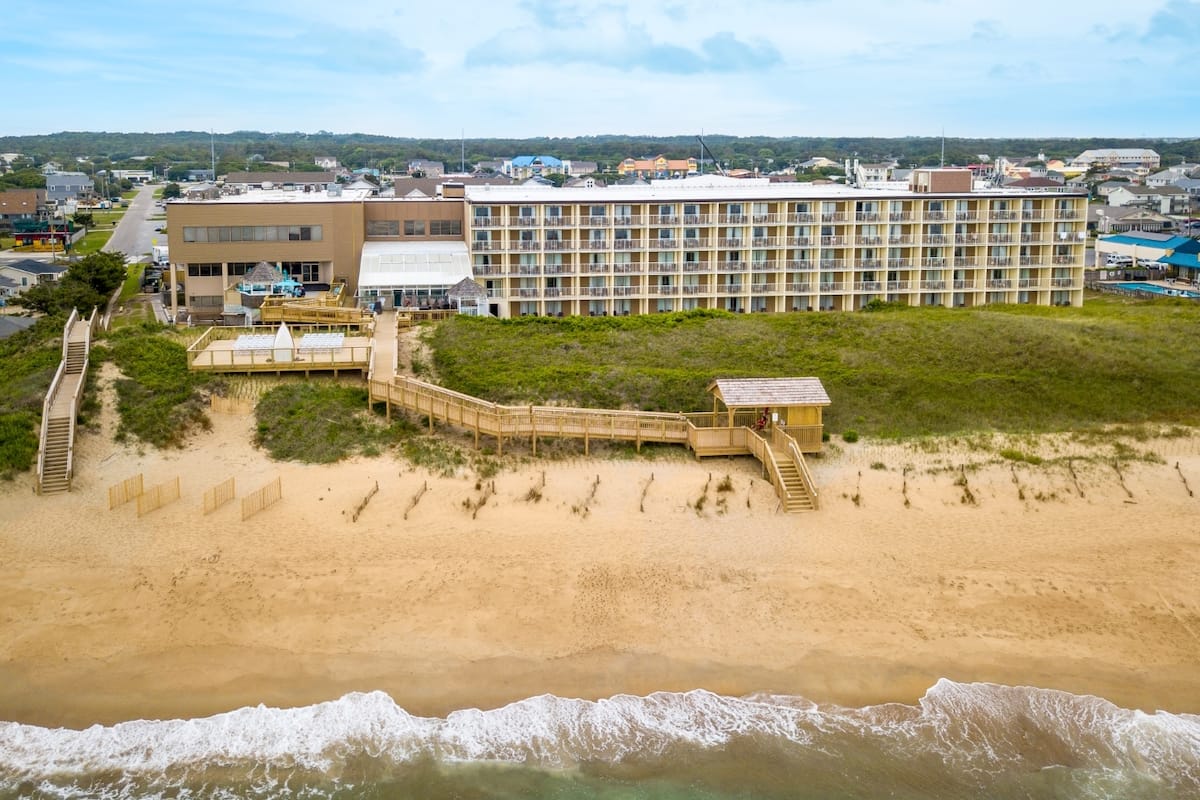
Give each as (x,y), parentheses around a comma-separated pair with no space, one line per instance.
(601,266)
(964,284)
(933,262)
(697,219)
(799,241)
(627,269)
(1067,213)
(626,221)
(899,263)
(866,216)
(1032,216)
(695,266)
(966,216)
(900,240)
(732,243)
(493,293)
(1026,238)
(936,215)
(557,222)
(624,291)
(732,266)
(868,286)
(935,286)
(656,268)
(557,244)
(937,238)
(1027,261)
(486,222)
(833,217)
(554,291)
(596,291)
(659,289)
(999,213)
(1028,283)
(732,219)
(557,269)
(596,221)
(963,262)
(799,287)
(1063,260)
(660,219)
(527,246)
(692,289)
(627,244)
(802,217)
(693,244)
(523,222)
(900,216)
(830,286)
(832,263)
(730,288)
(801,264)
(898,286)
(488,269)
(870,263)
(525,269)
(487,247)
(527,293)
(999,283)
(1000,238)
(833,241)
(764,241)
(999,261)
(967,238)
(762,288)
(765,219)
(867,241)
(594,244)
(1059,283)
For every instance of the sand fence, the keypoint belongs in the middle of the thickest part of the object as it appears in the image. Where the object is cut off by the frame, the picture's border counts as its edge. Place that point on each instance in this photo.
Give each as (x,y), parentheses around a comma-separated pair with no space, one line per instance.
(261,498)
(158,496)
(219,495)
(121,493)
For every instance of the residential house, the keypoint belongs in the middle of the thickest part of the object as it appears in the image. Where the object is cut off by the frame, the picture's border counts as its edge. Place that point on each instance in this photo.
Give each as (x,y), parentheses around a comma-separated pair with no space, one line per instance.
(64,186)
(426,168)
(522,168)
(21,204)
(1168,176)
(577,169)
(327,163)
(1119,219)
(1145,248)
(1164,199)
(817,162)
(658,167)
(30,272)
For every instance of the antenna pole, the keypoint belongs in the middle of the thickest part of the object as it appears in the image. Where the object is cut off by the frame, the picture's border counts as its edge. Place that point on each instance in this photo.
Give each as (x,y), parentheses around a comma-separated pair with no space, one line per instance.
(943,161)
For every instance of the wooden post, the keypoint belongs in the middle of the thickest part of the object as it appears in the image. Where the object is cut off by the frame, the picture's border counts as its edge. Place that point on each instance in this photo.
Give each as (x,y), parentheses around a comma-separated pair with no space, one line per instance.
(431,413)
(533,430)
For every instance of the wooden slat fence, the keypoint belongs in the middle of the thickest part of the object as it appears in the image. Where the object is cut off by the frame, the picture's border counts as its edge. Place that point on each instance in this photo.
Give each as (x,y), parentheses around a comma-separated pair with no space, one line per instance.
(219,495)
(121,493)
(158,496)
(261,498)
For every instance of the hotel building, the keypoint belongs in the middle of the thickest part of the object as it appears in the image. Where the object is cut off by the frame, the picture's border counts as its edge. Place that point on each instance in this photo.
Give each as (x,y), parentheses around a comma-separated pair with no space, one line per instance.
(739,245)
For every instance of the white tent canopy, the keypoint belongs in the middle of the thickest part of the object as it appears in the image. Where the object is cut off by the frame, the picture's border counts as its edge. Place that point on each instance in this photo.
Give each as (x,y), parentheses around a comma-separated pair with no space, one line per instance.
(413,265)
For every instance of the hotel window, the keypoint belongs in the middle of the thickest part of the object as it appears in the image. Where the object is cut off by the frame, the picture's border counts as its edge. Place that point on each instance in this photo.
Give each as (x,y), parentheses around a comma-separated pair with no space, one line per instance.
(414,227)
(383,227)
(525,212)
(303,271)
(691,213)
(204,270)
(554,212)
(666,234)
(553,235)
(445,227)
(239,267)
(596,211)
(483,212)
(666,211)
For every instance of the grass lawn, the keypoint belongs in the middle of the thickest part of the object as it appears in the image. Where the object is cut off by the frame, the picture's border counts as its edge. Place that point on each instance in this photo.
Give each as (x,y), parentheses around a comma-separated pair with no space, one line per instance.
(897,373)
(92,242)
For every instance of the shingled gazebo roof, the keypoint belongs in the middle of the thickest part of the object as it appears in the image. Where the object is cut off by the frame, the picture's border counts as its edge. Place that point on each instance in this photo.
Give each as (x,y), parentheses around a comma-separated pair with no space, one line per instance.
(769,392)
(264,273)
(466,289)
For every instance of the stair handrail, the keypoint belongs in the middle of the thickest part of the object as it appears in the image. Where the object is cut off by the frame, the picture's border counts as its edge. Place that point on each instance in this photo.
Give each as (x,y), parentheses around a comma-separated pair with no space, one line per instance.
(802,468)
(761,449)
(78,395)
(51,393)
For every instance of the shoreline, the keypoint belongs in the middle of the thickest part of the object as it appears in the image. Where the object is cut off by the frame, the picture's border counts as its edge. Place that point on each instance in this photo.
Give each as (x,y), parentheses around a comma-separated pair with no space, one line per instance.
(1075,577)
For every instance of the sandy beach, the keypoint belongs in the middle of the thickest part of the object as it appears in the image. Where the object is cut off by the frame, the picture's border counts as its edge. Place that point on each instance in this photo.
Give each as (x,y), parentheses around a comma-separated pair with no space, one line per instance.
(1079,578)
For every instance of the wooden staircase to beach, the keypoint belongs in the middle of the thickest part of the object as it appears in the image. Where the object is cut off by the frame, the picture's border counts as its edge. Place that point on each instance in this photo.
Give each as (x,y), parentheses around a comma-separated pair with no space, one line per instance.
(57,441)
(794,492)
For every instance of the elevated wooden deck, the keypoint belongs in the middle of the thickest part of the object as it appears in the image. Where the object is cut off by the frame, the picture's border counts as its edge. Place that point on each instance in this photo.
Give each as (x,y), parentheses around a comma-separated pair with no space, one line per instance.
(215,351)
(778,450)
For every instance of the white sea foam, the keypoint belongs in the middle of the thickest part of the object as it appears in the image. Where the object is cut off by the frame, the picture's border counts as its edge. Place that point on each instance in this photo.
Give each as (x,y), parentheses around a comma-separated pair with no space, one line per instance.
(981,729)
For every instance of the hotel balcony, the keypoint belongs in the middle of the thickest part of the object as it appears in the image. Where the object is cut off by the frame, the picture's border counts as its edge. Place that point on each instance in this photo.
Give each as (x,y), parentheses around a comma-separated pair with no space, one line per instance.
(802,264)
(999,283)
(966,216)
(1000,238)
(694,244)
(764,241)
(659,243)
(967,238)
(525,269)
(805,217)
(692,289)
(523,222)
(833,241)
(527,293)
(662,290)
(900,216)
(868,286)
(762,288)
(833,217)
(486,222)
(594,244)
(598,222)
(624,291)
(899,263)
(1028,261)
(1066,213)
(557,269)
(964,262)
(733,244)
(697,219)
(999,261)
(527,246)
(730,288)
(898,286)
(832,263)
(625,222)
(1028,238)
(937,238)
(936,216)
(695,266)
(494,293)
(557,222)
(964,284)
(936,286)
(731,219)
(900,240)
(1033,216)
(557,244)
(732,266)
(662,269)
(595,291)
(601,266)
(627,269)
(554,291)
(832,286)
(1028,283)
(488,269)
(1003,214)
(627,244)
(869,263)
(799,287)
(933,262)
(1062,283)
(1063,260)
(869,241)
(762,266)
(799,241)
(488,247)
(866,216)
(659,219)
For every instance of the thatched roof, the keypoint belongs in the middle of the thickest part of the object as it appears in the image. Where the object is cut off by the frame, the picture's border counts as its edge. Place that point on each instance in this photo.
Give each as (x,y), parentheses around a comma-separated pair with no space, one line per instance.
(264,273)
(466,289)
(769,392)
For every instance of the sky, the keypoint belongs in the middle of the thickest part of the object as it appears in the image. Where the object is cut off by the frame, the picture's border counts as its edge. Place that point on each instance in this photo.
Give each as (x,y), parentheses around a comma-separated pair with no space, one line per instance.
(561,68)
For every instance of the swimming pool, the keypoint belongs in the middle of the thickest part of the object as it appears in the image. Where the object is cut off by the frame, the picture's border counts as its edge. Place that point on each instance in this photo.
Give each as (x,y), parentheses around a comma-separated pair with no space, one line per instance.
(1153,288)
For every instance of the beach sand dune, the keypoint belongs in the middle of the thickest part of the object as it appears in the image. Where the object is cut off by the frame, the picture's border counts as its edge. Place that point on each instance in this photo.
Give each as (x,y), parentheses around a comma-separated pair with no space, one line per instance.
(588,577)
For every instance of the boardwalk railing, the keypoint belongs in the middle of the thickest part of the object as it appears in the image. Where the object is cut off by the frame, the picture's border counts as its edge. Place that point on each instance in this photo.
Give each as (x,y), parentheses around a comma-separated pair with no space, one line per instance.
(507,422)
(56,441)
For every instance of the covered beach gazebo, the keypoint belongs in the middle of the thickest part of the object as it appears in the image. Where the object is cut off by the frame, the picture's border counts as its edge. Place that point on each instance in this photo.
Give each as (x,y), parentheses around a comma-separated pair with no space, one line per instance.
(793,404)
(468,297)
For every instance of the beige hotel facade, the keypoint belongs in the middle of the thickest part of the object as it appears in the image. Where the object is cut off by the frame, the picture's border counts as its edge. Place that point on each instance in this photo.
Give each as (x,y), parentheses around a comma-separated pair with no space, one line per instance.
(740,245)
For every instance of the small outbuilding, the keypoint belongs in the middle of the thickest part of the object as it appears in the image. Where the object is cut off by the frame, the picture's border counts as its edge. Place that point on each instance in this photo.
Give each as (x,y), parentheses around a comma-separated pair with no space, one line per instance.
(793,404)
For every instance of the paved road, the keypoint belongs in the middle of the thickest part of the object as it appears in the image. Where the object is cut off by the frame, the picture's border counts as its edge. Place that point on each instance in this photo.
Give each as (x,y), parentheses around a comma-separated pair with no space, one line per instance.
(135,232)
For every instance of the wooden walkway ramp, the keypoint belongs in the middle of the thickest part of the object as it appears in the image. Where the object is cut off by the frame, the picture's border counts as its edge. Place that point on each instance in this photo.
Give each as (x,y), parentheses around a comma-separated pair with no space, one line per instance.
(781,457)
(56,447)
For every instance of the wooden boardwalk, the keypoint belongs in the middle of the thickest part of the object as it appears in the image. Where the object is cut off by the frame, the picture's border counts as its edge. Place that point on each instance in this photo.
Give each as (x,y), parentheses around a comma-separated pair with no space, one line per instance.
(781,456)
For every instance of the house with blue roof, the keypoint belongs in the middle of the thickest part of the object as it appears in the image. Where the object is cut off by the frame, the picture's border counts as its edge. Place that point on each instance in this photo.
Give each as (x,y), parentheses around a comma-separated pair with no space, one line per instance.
(1147,250)
(524,167)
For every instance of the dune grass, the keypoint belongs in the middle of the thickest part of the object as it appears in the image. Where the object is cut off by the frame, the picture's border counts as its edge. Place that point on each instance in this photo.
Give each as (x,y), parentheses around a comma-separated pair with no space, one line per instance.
(900,372)
(28,361)
(321,422)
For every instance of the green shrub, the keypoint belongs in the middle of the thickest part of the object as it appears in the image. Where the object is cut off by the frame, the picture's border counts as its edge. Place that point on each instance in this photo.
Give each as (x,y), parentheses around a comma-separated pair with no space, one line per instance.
(850,436)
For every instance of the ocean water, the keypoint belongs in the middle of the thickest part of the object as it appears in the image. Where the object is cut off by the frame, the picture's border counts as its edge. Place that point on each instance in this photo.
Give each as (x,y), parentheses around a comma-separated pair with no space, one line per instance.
(958,741)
